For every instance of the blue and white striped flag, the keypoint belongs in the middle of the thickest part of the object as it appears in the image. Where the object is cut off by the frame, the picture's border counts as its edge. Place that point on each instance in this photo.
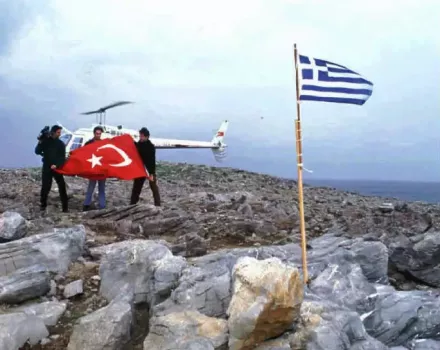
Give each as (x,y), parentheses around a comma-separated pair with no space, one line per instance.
(330,82)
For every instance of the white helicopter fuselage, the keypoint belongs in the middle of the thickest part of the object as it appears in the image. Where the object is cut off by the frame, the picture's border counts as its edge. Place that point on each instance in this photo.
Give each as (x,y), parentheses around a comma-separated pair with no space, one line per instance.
(79,137)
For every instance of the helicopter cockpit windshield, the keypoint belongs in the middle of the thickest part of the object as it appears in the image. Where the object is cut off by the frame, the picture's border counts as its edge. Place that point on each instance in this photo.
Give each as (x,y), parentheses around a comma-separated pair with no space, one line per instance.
(66,138)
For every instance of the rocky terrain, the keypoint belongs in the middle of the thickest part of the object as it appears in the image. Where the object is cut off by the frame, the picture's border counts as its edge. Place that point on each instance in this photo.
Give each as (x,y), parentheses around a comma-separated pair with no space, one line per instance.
(218,266)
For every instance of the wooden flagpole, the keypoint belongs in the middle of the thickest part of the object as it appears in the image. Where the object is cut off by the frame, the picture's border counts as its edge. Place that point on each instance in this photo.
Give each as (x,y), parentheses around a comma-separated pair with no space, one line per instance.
(300,169)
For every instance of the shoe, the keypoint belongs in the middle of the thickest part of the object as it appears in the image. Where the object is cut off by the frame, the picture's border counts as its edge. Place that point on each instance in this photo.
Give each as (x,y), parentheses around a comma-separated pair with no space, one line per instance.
(65,210)
(86,207)
(42,208)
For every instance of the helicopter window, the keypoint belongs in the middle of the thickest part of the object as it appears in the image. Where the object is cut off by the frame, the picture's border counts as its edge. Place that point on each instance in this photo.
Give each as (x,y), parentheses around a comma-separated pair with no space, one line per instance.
(77,142)
(113,132)
(66,138)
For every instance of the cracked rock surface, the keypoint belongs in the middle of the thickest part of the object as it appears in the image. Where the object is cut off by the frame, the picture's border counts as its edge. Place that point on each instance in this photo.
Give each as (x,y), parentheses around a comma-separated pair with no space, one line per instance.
(217,266)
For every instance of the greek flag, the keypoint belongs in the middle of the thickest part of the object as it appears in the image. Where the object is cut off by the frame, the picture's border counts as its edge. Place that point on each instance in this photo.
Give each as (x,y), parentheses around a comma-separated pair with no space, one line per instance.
(330,82)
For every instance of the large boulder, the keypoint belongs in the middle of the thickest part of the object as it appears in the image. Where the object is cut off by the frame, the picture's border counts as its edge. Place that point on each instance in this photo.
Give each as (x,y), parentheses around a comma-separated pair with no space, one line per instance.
(331,329)
(54,250)
(18,328)
(265,302)
(24,284)
(149,268)
(107,328)
(345,285)
(49,311)
(401,316)
(418,256)
(26,264)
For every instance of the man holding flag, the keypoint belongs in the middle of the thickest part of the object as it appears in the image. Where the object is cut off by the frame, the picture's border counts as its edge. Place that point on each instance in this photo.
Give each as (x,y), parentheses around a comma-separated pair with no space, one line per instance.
(147,152)
(53,151)
(97,132)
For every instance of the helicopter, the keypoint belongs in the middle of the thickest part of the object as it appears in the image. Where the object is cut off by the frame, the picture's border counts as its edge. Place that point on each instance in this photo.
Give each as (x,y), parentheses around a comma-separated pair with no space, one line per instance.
(77,138)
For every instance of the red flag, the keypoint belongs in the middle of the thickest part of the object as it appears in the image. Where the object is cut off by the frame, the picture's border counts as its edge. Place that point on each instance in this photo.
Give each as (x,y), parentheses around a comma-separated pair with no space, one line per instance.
(113,157)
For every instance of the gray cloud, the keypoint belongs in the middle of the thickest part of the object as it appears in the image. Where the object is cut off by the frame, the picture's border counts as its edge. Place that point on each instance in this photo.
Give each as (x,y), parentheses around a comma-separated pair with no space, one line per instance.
(17,16)
(187,70)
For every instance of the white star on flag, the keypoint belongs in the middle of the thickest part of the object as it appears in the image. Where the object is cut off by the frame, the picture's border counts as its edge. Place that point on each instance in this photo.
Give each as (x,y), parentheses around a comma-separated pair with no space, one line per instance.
(95,160)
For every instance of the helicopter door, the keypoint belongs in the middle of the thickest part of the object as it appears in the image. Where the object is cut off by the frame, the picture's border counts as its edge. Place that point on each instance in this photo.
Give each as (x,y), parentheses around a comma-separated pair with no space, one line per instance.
(77,142)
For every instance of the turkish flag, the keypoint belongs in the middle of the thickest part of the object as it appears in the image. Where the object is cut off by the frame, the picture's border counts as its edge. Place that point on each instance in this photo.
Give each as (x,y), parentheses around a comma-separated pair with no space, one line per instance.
(113,157)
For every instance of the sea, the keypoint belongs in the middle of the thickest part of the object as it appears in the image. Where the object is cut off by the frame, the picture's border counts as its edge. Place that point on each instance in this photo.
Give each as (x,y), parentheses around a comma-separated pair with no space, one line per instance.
(404,190)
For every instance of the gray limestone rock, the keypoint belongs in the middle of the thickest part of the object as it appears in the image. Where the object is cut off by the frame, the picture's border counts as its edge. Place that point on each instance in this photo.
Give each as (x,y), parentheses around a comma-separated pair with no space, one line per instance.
(204,208)
(73,288)
(24,284)
(149,267)
(107,328)
(425,344)
(12,226)
(55,250)
(419,259)
(190,245)
(399,317)
(186,330)
(324,325)
(49,311)
(206,286)
(346,285)
(18,328)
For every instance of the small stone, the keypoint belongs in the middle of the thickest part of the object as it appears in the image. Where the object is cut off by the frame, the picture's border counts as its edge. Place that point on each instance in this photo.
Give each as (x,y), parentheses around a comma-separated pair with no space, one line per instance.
(386,207)
(73,288)
(59,278)
(45,341)
(53,288)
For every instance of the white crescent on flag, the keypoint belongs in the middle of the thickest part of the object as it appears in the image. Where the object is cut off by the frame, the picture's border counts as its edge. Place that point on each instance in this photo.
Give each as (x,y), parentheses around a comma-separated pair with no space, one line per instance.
(127,160)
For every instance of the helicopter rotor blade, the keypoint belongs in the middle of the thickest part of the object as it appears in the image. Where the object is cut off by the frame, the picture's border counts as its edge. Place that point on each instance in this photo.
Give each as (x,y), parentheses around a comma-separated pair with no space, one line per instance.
(115,104)
(91,112)
(103,109)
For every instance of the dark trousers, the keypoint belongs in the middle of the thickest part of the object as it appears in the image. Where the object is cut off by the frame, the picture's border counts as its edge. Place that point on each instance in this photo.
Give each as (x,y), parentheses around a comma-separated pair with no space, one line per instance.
(137,189)
(46,185)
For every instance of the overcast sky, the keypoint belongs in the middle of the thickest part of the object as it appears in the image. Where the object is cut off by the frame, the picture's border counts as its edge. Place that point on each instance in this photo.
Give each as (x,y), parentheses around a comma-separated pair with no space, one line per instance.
(190,64)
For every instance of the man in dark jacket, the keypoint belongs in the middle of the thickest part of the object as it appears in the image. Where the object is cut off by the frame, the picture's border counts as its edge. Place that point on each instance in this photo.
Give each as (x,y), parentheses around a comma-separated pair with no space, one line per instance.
(53,151)
(97,132)
(147,151)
